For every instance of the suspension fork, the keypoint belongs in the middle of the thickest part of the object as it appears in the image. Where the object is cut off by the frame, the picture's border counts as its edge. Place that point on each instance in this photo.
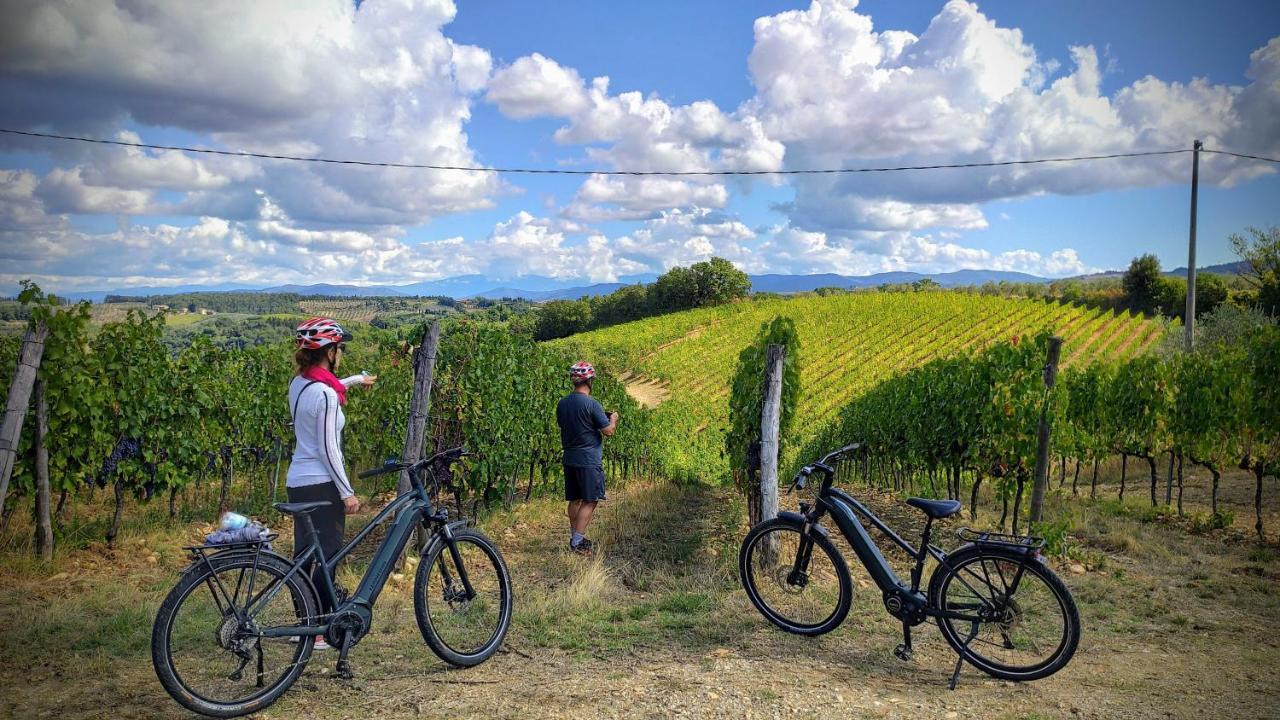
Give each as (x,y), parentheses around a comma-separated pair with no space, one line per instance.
(804,553)
(446,532)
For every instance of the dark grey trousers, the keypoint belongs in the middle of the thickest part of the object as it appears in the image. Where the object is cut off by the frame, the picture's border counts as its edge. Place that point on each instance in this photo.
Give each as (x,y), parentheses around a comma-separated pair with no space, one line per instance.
(330,523)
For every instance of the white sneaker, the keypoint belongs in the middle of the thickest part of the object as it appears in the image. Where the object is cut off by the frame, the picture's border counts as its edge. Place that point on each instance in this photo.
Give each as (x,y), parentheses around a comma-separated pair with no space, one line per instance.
(321,645)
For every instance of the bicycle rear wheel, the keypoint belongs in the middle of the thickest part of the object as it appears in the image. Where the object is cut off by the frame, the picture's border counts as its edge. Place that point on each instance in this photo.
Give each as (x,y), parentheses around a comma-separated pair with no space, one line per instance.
(1021,621)
(798,582)
(462,628)
(203,645)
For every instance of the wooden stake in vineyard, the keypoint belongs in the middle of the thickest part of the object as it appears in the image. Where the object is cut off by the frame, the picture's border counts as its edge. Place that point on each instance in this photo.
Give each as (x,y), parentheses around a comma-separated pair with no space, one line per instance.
(1042,448)
(19,399)
(44,525)
(770,420)
(424,365)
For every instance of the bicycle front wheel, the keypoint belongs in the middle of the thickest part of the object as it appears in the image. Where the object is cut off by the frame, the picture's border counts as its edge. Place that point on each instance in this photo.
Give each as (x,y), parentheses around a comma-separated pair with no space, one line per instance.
(463,601)
(798,582)
(1018,621)
(204,645)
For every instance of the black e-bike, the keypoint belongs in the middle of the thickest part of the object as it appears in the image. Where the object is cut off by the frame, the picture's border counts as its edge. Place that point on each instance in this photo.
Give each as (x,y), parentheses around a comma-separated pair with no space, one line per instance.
(995,601)
(240,625)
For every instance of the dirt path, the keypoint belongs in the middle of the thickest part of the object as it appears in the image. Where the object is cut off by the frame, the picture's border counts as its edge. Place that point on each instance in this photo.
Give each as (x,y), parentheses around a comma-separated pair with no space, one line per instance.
(1175,626)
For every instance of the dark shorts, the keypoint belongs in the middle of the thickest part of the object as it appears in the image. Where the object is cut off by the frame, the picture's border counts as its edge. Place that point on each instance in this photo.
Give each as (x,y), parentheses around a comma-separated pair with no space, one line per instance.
(583,483)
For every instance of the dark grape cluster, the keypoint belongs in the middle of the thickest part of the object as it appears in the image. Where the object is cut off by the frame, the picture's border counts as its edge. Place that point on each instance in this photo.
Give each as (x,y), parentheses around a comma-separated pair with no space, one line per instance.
(125,449)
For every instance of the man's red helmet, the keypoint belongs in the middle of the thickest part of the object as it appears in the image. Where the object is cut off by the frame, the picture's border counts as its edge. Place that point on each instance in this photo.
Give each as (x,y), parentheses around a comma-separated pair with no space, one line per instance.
(582,371)
(319,332)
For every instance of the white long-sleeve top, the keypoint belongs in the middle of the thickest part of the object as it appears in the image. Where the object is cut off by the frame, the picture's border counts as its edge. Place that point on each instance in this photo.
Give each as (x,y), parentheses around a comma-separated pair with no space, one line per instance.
(317,425)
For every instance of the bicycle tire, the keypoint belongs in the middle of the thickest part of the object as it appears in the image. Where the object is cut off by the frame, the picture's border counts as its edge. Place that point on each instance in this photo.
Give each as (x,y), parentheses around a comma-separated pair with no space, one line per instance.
(432,558)
(746,557)
(951,571)
(304,603)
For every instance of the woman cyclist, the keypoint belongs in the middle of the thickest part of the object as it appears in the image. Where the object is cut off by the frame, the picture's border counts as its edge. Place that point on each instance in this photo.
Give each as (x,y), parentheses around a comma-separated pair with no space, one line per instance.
(316,397)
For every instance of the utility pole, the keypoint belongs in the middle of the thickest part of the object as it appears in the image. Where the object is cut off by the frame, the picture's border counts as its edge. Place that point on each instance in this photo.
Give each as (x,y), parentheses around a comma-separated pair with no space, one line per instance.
(1190,322)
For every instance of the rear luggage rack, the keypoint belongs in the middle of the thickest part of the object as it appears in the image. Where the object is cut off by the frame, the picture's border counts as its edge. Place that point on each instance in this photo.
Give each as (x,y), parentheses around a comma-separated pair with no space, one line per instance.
(202,552)
(1029,543)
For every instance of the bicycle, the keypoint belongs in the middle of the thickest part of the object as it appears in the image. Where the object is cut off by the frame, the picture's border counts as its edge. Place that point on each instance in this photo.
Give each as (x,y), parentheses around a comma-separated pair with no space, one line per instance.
(971,592)
(202,642)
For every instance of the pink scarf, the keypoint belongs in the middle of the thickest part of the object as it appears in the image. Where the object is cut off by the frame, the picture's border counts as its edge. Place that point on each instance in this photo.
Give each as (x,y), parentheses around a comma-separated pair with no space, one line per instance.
(315,372)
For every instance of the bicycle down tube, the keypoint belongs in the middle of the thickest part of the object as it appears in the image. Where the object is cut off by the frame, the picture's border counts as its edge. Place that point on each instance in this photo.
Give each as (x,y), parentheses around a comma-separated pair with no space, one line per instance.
(844,509)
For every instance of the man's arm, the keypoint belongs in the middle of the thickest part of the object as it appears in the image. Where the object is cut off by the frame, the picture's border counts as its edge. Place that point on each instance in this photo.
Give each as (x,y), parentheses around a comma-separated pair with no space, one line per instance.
(608,423)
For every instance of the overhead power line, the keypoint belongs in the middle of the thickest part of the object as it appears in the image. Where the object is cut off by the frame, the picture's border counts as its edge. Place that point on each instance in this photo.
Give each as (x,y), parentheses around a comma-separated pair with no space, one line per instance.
(556,171)
(1241,155)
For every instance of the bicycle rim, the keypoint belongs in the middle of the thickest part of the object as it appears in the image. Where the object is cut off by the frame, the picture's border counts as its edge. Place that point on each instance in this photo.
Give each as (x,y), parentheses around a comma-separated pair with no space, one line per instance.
(798,600)
(467,624)
(207,648)
(1026,624)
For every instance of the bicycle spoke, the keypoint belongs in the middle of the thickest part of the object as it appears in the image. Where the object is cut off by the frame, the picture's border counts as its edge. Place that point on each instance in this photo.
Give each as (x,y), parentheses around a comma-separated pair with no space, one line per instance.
(465,622)
(804,594)
(1024,623)
(210,649)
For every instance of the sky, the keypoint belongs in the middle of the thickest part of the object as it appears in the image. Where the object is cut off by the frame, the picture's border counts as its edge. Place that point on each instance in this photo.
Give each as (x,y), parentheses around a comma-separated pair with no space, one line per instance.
(752,85)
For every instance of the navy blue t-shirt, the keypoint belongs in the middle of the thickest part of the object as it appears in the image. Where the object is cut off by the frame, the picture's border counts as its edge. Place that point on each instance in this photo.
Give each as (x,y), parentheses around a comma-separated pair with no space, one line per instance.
(581,419)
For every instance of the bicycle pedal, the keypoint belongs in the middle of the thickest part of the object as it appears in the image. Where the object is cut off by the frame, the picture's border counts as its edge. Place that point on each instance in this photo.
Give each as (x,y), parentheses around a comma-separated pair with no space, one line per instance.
(343,671)
(903,653)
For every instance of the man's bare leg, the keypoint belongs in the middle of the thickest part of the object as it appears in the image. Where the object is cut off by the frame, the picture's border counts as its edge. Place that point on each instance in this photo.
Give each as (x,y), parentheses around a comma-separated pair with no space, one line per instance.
(572,511)
(583,518)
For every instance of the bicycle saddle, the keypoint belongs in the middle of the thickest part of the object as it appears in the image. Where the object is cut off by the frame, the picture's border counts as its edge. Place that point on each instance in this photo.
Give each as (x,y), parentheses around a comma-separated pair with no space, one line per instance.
(300,508)
(935,509)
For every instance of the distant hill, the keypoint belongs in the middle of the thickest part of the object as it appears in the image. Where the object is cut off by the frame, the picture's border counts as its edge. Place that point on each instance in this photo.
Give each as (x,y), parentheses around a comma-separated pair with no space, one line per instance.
(1231,268)
(338,290)
(572,293)
(540,288)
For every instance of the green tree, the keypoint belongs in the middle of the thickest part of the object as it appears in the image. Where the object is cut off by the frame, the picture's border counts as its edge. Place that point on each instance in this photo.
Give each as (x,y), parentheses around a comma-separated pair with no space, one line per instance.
(1261,253)
(1142,283)
(1211,291)
(561,318)
(1171,296)
(676,289)
(718,282)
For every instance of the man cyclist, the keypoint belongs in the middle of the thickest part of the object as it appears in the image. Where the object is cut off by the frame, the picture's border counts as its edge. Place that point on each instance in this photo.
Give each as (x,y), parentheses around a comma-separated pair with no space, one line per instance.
(583,425)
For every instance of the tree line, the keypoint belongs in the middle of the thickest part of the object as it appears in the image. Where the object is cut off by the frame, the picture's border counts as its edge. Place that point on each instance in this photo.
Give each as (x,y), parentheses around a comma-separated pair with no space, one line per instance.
(704,284)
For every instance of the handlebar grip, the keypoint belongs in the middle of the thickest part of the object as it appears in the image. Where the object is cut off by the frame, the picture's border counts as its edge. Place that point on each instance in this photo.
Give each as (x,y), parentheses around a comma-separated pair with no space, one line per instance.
(371,473)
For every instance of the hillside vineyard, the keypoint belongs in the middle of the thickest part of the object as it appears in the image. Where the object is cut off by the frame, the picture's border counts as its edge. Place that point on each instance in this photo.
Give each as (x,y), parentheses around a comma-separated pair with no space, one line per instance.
(850,343)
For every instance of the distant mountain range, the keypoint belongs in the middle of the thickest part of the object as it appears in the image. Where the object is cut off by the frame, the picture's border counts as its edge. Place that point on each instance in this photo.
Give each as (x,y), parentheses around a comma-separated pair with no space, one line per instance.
(1231,268)
(540,288)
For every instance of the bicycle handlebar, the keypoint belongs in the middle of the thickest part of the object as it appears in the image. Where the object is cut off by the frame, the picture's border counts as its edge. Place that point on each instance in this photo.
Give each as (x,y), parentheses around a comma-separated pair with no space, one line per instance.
(394,465)
(802,476)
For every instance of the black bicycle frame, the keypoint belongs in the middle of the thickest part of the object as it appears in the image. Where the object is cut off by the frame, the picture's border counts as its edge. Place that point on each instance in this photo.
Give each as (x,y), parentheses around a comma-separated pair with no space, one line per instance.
(844,510)
(415,505)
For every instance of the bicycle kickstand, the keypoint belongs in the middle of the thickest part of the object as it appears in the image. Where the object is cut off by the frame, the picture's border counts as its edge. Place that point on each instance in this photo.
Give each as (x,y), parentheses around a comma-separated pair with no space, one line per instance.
(344,665)
(955,676)
(904,651)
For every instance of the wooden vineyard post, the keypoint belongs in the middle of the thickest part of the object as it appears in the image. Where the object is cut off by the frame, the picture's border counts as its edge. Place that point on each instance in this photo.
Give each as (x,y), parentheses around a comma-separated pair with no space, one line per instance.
(19,398)
(770,419)
(44,525)
(424,364)
(1042,448)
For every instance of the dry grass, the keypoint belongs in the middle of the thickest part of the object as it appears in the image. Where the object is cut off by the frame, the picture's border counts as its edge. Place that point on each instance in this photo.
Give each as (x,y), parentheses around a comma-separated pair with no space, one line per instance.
(1176,625)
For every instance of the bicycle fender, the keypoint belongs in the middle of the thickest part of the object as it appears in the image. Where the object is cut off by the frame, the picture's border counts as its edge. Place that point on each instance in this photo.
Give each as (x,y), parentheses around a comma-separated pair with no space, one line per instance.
(799,520)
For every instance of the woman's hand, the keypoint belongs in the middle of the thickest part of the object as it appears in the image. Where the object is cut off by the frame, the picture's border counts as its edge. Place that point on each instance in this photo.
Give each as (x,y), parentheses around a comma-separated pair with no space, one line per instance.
(352,504)
(368,380)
